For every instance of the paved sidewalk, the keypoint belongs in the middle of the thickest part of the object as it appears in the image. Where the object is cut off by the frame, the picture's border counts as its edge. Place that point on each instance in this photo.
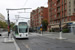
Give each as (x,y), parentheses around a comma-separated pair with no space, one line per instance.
(69,36)
(6,45)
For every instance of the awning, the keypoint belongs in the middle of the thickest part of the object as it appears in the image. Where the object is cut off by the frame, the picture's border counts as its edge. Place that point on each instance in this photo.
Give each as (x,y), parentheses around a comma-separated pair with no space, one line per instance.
(57,26)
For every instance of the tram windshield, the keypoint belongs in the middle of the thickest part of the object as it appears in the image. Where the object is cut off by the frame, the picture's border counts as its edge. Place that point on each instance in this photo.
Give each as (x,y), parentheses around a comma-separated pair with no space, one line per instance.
(22,30)
(23,27)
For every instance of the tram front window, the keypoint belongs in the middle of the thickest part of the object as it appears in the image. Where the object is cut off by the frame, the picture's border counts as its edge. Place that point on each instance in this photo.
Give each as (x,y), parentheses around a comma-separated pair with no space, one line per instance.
(22,30)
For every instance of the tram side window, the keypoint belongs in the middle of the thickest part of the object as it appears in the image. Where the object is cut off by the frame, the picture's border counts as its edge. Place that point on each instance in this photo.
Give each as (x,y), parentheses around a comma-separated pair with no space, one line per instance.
(16,29)
(26,29)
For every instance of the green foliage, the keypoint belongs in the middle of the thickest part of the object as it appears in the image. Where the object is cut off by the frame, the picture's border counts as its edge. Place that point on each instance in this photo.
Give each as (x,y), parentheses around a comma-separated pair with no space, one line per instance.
(3,25)
(65,30)
(11,25)
(44,24)
(51,30)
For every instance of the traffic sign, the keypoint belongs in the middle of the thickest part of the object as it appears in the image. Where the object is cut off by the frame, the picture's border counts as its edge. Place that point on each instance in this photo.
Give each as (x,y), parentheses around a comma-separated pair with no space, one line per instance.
(41,25)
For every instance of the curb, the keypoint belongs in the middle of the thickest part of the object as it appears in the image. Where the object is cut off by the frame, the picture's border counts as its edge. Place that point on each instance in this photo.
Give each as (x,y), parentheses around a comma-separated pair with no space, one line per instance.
(17,47)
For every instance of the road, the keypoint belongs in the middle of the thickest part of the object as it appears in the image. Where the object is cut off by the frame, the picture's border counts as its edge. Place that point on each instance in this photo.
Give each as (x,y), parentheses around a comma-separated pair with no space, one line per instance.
(38,42)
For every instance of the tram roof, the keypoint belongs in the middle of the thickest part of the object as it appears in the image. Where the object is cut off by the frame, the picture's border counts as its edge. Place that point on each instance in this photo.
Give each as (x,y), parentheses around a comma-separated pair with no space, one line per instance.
(19,21)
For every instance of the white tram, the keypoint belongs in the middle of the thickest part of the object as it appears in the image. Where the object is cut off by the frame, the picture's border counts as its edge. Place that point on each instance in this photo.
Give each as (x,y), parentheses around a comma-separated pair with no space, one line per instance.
(21,30)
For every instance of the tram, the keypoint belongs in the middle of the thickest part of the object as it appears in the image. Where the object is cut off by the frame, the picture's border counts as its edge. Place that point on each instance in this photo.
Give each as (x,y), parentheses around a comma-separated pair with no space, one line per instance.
(21,30)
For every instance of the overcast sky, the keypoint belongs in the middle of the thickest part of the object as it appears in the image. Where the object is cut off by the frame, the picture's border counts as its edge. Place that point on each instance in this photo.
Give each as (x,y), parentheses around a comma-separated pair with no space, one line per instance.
(20,4)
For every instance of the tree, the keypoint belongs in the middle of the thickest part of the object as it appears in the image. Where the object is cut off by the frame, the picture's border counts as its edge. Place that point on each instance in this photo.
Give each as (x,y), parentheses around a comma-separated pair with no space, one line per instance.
(44,24)
(1,24)
(11,25)
(4,24)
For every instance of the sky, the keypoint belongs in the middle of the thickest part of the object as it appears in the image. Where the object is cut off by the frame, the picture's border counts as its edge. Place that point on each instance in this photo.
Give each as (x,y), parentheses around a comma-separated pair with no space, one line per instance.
(14,4)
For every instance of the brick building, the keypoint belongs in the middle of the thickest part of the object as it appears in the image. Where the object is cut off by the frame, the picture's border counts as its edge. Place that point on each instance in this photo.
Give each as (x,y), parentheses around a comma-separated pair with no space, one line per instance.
(61,10)
(37,16)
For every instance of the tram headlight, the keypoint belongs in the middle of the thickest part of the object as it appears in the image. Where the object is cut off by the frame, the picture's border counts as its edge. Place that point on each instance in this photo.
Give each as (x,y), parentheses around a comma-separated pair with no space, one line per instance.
(20,35)
(26,35)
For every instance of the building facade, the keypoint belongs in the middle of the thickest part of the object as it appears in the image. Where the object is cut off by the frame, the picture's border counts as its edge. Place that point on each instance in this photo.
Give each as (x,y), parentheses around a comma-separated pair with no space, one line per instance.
(60,11)
(2,18)
(37,16)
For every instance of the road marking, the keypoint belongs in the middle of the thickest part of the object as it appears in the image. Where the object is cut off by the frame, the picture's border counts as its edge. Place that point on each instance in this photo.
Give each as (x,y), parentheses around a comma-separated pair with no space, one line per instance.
(27,46)
(17,47)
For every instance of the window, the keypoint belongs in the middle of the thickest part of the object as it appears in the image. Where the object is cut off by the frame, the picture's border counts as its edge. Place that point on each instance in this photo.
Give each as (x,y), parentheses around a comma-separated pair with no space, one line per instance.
(23,30)
(55,4)
(57,21)
(69,4)
(50,22)
(70,10)
(16,30)
(74,10)
(65,1)
(62,20)
(69,14)
(69,18)
(55,16)
(65,19)
(55,10)
(74,2)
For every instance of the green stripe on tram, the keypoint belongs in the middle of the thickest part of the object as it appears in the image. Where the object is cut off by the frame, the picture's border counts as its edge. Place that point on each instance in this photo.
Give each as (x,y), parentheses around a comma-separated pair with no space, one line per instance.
(17,34)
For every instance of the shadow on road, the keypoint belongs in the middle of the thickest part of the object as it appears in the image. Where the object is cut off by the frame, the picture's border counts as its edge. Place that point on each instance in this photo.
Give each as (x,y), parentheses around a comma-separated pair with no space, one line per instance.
(21,38)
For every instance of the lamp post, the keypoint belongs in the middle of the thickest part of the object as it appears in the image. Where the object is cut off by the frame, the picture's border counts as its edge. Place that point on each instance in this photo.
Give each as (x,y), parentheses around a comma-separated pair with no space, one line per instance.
(60,37)
(8,23)
(60,34)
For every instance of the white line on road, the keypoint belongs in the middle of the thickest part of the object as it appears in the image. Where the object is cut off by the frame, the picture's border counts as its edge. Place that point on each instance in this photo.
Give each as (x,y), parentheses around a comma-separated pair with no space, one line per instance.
(17,47)
(27,46)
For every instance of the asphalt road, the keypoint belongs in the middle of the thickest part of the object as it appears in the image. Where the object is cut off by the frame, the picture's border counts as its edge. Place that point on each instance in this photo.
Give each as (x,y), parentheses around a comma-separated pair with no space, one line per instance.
(36,42)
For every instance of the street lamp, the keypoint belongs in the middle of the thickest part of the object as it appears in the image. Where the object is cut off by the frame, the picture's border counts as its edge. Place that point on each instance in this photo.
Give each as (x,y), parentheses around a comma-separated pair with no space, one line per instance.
(8,23)
(60,34)
(60,37)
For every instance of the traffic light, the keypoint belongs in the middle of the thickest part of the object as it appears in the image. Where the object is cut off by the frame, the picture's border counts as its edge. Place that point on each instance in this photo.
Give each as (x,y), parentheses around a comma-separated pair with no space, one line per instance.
(8,30)
(40,28)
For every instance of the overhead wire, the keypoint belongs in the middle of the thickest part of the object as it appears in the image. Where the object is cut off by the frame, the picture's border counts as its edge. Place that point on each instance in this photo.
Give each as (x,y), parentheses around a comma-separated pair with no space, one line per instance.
(28,0)
(25,3)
